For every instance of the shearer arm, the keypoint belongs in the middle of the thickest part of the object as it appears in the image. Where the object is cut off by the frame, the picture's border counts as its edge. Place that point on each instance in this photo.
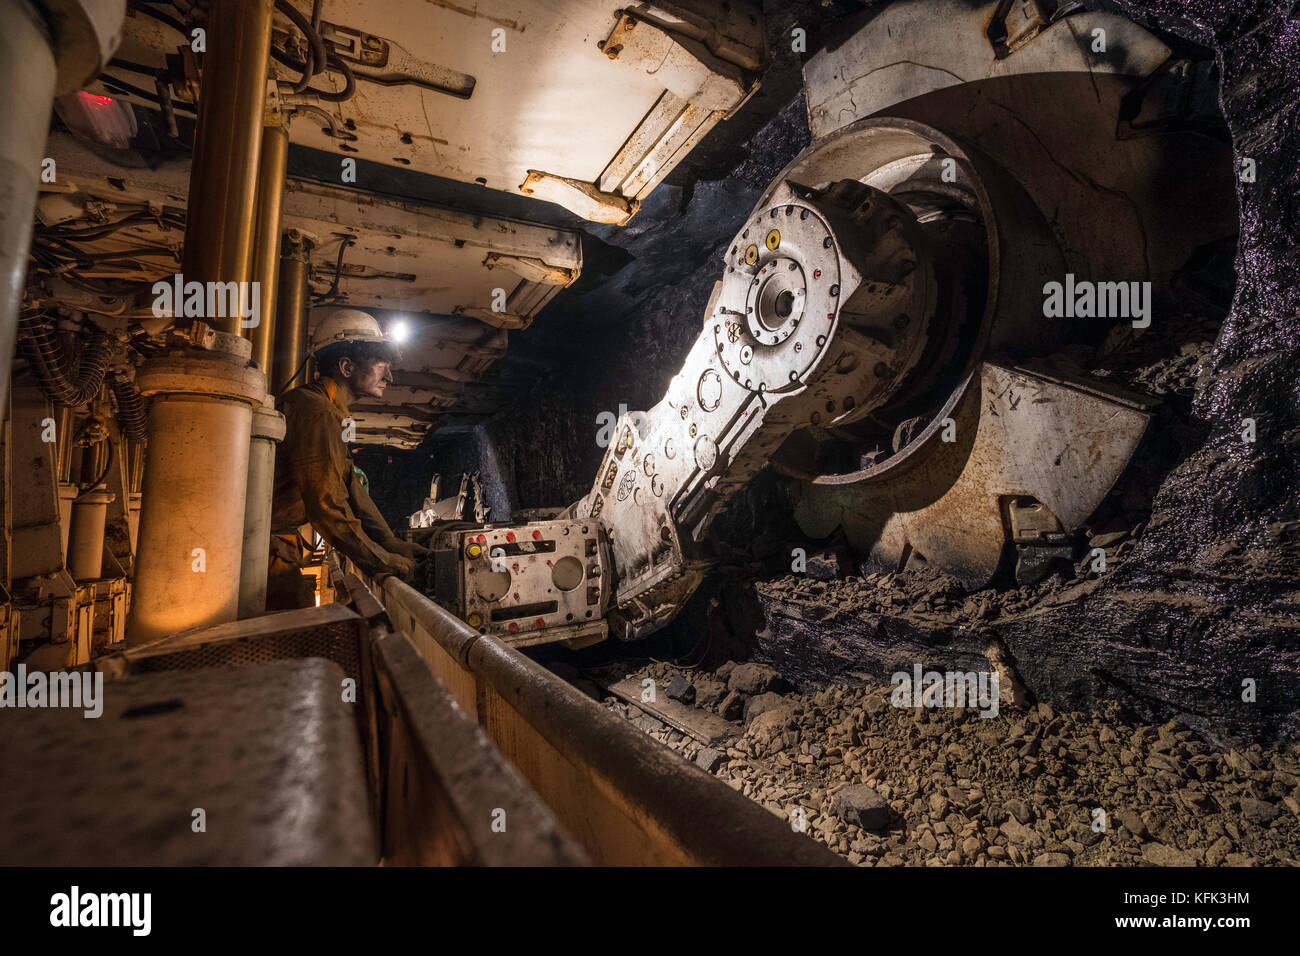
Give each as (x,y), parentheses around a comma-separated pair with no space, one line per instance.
(822,312)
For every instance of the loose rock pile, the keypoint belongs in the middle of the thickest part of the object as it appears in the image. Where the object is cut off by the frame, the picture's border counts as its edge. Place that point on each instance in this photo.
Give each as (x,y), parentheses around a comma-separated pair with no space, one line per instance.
(886,785)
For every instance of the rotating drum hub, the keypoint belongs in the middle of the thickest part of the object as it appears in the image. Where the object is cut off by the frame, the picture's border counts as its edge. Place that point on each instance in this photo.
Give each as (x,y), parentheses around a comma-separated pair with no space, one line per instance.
(776,300)
(827,290)
(777,308)
(943,466)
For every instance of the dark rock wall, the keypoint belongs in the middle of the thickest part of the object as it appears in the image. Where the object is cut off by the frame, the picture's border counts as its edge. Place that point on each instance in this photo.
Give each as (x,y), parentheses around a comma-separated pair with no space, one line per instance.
(1211,597)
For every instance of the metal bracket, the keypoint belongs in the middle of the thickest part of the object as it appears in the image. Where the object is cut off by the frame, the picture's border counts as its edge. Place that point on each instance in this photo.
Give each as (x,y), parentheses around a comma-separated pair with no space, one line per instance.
(380,60)
(532,269)
(1016,22)
(583,199)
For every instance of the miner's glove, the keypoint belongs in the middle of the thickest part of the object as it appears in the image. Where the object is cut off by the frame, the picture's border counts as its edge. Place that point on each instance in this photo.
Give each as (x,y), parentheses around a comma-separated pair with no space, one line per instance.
(401,565)
(408,549)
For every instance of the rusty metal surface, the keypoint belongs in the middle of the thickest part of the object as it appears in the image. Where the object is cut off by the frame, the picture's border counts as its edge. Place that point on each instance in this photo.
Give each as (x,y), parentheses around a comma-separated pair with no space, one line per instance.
(486,92)
(1017,434)
(626,799)
(269,752)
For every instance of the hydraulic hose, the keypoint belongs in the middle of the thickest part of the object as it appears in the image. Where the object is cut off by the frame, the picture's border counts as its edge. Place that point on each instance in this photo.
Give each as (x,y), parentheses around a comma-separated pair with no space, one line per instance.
(132,410)
(50,364)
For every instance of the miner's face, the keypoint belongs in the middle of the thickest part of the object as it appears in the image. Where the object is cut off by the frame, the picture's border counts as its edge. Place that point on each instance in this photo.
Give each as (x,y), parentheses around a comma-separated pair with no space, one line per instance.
(367,379)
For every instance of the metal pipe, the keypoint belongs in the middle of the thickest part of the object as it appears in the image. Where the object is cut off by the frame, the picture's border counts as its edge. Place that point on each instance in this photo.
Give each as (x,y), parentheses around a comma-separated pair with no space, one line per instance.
(195,486)
(86,534)
(291,312)
(227,146)
(191,535)
(268,431)
(66,428)
(266,246)
(27,75)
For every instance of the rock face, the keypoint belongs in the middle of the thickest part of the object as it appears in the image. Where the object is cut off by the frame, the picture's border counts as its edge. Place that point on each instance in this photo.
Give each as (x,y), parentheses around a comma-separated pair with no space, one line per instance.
(1208,601)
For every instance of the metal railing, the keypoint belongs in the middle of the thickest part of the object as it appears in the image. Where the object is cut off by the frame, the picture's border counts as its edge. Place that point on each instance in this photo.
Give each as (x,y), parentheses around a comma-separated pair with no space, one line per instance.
(626,799)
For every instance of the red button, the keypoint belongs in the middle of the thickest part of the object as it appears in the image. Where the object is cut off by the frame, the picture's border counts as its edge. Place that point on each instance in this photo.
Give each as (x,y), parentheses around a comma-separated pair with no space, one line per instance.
(481,539)
(514,626)
(510,536)
(539,622)
(536,535)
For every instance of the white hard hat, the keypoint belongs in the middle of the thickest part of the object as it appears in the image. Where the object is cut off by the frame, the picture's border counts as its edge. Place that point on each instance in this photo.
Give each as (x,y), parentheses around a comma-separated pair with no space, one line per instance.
(347,325)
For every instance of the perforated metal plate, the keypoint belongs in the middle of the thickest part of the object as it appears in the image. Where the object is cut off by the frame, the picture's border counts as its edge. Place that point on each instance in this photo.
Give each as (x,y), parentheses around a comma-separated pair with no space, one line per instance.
(268,752)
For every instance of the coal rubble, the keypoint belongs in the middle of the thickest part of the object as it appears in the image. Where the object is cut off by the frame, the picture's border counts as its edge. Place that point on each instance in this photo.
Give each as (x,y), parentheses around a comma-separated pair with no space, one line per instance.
(919,786)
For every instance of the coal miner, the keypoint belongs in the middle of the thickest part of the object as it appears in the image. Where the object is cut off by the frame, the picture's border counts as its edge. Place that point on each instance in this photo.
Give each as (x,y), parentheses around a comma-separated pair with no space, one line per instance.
(315,481)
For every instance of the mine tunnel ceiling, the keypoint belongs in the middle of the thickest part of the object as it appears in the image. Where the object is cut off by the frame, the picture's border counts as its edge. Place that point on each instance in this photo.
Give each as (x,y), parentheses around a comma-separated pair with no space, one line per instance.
(446,183)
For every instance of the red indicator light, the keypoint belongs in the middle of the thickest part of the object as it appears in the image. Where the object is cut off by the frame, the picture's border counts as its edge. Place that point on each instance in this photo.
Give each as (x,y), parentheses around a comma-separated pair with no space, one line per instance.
(510,536)
(94,99)
(481,539)
(536,535)
(539,622)
(514,626)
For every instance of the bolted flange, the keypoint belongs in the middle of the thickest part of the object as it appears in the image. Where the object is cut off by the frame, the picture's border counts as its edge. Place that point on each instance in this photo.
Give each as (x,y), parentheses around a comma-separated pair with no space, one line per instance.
(220,372)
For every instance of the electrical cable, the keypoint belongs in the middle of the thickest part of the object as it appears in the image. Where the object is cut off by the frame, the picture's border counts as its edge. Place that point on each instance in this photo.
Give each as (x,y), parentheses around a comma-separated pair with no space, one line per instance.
(166,18)
(318,53)
(112,82)
(345,243)
(349,83)
(292,378)
(108,464)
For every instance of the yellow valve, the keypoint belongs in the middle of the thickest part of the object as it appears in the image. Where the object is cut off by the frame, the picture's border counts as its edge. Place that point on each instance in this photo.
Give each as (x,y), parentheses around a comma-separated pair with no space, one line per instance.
(751,255)
(774,239)
(474,620)
(475,550)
